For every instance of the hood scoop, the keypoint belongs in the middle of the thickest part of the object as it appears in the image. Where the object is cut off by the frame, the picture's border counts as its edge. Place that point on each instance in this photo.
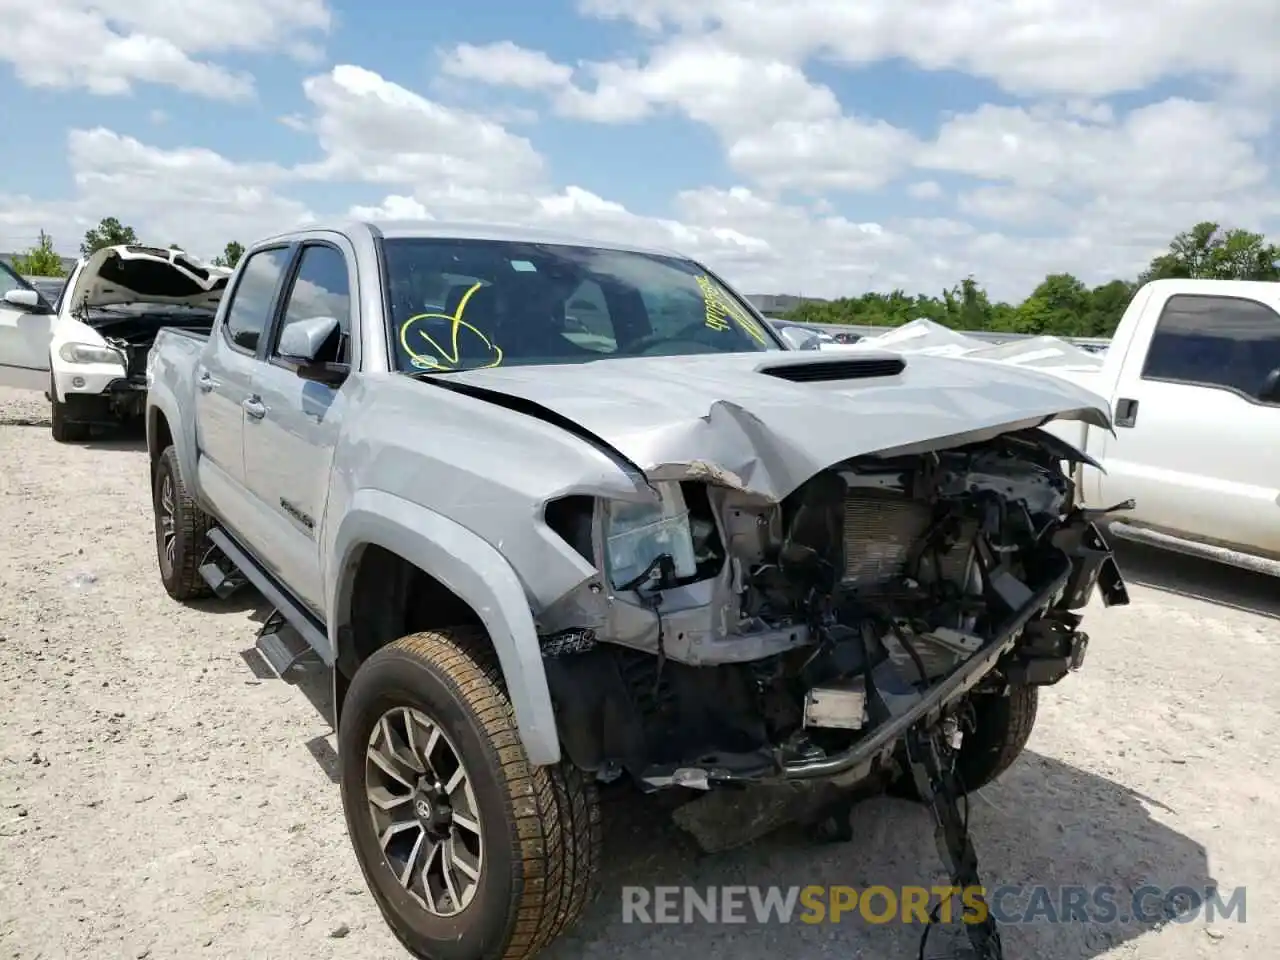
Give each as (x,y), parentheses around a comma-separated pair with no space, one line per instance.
(844,369)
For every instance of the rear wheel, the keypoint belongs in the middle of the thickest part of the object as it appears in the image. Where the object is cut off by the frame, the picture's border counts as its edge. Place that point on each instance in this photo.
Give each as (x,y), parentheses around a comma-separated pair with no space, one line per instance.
(470,852)
(180,527)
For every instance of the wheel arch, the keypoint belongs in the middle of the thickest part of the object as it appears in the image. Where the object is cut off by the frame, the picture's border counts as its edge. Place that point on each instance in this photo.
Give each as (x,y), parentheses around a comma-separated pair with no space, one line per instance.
(165,427)
(399,568)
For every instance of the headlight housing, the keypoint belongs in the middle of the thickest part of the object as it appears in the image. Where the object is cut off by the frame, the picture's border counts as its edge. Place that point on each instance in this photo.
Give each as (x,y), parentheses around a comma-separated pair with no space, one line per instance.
(637,534)
(90,353)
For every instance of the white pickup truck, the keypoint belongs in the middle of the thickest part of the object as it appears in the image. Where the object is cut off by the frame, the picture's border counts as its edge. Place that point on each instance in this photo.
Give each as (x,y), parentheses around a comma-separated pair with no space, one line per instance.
(1193,379)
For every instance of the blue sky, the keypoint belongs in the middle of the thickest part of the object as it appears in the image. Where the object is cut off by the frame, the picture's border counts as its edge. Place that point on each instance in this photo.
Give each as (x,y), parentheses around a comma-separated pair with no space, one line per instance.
(826,147)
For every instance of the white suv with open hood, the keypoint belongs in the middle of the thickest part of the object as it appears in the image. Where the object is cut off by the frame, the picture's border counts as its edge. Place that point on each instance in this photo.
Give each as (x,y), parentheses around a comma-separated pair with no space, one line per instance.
(89,351)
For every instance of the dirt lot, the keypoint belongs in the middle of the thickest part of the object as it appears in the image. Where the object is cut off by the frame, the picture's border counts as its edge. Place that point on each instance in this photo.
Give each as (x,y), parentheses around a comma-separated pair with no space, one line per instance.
(159,798)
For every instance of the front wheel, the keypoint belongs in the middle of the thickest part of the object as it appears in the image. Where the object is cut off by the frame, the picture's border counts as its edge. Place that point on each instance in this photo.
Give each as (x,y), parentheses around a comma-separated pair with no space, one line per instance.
(470,852)
(1002,724)
(63,428)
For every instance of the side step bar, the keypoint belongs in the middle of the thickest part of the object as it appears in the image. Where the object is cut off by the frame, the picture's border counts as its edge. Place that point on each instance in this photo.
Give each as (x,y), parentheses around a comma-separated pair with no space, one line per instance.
(222,581)
(310,630)
(282,646)
(1191,548)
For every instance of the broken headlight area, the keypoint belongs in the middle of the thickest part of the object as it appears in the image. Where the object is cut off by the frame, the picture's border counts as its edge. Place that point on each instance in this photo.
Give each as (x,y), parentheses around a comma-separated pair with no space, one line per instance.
(747,640)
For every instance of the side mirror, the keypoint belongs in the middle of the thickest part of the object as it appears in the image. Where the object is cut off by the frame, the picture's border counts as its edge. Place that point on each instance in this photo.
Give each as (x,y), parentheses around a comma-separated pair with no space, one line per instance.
(1270,392)
(302,342)
(23,298)
(300,345)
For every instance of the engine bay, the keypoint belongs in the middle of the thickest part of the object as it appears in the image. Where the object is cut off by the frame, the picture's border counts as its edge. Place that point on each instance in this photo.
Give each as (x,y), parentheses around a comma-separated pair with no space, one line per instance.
(132,329)
(744,639)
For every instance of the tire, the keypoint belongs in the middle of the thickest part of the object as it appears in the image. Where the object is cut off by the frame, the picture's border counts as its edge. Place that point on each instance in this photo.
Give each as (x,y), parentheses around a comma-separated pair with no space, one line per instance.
(1002,725)
(179,572)
(64,430)
(540,826)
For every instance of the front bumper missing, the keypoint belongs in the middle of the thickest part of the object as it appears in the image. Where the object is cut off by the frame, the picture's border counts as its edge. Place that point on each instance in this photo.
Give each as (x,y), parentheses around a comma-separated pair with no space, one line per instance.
(1083,561)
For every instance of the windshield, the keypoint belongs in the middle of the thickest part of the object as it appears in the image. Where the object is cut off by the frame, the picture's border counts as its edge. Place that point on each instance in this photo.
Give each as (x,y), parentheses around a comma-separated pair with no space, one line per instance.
(465,304)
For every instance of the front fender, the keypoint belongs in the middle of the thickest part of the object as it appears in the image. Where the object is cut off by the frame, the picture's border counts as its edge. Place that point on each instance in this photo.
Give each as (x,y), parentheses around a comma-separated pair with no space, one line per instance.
(473,570)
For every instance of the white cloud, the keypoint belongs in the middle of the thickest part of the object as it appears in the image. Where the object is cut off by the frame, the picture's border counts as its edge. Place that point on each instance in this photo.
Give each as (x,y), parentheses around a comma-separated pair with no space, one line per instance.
(108,46)
(777,126)
(1086,48)
(505,64)
(192,196)
(925,190)
(1013,205)
(375,130)
(1135,180)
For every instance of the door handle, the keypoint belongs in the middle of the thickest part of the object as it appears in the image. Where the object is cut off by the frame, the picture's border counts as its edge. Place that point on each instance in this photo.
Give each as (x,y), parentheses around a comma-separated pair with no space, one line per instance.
(1126,412)
(254,407)
(206,382)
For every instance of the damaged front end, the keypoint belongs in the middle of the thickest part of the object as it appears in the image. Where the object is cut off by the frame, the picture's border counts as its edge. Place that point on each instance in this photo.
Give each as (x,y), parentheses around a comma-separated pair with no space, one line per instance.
(737,639)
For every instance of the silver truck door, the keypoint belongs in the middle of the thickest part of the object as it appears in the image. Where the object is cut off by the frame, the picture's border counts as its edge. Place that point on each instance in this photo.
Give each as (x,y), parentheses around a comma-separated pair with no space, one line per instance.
(25,331)
(224,381)
(289,448)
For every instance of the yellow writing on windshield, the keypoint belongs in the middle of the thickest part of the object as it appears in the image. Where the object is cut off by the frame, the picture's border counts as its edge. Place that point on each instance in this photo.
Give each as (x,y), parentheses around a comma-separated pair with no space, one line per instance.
(426,352)
(720,310)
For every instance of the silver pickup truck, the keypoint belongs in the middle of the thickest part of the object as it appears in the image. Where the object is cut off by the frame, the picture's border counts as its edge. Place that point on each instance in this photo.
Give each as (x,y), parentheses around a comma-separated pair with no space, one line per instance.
(562,514)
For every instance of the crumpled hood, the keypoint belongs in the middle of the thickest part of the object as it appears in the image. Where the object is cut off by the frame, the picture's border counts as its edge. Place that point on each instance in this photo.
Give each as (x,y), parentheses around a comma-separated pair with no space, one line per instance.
(137,274)
(721,418)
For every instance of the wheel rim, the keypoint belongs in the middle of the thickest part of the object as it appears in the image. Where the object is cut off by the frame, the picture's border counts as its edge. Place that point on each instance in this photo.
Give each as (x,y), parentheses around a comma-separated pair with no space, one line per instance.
(168,529)
(424,811)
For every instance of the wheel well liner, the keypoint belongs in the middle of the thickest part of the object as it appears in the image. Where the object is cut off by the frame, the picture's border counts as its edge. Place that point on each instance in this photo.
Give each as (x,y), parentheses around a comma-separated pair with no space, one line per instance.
(390,598)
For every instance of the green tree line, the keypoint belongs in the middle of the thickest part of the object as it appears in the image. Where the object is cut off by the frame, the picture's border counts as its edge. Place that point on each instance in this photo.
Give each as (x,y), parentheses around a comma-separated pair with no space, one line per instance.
(1061,305)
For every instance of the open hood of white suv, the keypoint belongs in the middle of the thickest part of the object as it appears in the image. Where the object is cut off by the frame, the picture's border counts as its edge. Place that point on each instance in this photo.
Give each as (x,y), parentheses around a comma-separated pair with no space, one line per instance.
(137,274)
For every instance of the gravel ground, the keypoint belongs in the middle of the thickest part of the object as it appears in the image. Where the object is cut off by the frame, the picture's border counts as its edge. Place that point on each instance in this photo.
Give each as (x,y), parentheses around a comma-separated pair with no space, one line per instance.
(160,798)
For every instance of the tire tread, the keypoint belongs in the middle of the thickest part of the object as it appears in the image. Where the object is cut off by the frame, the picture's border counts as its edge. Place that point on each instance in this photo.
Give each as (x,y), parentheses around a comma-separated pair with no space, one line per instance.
(556,812)
(192,525)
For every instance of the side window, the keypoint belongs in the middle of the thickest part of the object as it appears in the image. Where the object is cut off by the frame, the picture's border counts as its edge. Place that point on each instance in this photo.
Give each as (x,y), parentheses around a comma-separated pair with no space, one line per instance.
(321,289)
(254,296)
(1227,342)
(9,280)
(587,321)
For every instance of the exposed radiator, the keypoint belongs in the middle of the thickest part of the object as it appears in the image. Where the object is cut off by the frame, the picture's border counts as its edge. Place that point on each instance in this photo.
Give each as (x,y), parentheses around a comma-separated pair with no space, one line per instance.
(880,527)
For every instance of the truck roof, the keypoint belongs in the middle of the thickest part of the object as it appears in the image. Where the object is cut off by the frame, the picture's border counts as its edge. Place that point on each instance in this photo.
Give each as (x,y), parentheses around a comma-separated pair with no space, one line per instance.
(460,230)
(1262,289)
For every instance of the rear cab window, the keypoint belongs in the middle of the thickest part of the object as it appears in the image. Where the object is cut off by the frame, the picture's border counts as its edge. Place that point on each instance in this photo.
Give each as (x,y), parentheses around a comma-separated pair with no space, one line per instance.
(1220,342)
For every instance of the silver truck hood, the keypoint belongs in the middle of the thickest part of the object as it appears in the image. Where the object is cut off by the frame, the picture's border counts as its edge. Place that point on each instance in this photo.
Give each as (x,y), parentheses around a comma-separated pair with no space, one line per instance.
(720,418)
